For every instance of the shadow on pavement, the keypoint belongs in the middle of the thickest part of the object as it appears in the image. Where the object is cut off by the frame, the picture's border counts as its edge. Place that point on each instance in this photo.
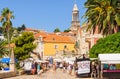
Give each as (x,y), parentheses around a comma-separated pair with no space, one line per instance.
(84,76)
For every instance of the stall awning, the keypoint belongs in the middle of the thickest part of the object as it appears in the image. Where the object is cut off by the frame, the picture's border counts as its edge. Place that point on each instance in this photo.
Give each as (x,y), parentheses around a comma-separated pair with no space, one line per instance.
(109,58)
(6,60)
(41,61)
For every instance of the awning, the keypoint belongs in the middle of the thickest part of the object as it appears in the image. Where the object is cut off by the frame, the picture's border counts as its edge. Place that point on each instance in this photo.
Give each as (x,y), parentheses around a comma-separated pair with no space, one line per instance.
(41,61)
(109,58)
(6,60)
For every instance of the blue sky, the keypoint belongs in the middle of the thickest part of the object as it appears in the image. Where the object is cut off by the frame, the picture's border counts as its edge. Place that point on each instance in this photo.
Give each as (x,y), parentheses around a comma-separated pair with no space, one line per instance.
(43,14)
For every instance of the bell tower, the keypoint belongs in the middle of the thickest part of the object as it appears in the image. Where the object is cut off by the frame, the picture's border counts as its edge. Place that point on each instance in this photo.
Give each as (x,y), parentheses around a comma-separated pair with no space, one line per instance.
(75,18)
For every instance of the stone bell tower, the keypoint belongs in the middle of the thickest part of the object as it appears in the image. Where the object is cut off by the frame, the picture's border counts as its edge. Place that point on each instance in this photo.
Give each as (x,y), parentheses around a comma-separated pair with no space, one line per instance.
(75,18)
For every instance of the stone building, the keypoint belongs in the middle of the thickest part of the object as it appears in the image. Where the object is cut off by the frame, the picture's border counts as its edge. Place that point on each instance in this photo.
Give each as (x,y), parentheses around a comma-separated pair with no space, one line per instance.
(84,39)
(50,44)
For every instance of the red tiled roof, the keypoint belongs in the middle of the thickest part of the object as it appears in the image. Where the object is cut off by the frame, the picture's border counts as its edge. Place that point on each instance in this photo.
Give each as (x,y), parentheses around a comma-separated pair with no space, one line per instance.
(43,34)
(31,30)
(57,38)
(47,37)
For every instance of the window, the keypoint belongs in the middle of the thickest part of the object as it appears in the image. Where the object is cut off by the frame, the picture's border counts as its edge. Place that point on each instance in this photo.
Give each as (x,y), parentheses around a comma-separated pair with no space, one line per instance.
(40,38)
(65,46)
(56,46)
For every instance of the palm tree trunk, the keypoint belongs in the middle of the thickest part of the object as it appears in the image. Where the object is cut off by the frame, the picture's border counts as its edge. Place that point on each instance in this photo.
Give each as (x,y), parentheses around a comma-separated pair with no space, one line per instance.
(109,28)
(115,29)
(8,35)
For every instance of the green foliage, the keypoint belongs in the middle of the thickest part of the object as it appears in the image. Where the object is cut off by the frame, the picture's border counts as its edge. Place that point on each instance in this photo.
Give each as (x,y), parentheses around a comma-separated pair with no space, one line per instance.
(56,30)
(6,16)
(21,28)
(5,33)
(109,44)
(24,45)
(3,50)
(0,30)
(103,13)
(67,30)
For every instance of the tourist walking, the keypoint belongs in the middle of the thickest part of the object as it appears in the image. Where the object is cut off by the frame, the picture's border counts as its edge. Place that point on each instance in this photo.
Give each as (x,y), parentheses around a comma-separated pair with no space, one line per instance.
(97,69)
(33,68)
(54,67)
(75,66)
(70,67)
(61,66)
(64,67)
(38,69)
(93,70)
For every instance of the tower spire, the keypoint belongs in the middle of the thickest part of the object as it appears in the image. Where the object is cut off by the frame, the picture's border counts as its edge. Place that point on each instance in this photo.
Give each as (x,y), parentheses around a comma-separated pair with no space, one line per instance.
(75,6)
(75,17)
(74,1)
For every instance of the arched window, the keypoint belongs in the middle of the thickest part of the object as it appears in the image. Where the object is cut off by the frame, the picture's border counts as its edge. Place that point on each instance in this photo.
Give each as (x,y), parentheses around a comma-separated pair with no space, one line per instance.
(65,46)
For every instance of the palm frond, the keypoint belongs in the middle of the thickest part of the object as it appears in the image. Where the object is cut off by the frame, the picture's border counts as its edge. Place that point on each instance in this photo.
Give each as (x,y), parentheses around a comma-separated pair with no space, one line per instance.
(117,19)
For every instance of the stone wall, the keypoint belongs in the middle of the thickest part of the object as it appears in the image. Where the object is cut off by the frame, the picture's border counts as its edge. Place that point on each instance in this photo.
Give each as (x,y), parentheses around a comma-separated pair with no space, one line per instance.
(6,74)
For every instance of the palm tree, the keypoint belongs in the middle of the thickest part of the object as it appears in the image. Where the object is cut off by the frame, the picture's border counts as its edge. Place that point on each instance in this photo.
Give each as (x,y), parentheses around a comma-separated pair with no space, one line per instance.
(103,13)
(3,51)
(6,17)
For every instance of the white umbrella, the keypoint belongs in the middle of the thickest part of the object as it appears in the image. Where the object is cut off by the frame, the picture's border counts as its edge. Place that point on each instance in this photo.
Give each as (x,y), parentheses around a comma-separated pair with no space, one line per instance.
(41,61)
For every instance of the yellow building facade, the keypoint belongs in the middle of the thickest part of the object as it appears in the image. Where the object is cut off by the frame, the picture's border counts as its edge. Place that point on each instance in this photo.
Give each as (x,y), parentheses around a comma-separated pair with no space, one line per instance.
(50,49)
(50,44)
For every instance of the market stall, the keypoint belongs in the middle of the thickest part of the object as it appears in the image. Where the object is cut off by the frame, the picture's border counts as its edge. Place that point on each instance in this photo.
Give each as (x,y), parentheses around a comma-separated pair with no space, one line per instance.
(110,65)
(83,66)
(6,61)
(6,72)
